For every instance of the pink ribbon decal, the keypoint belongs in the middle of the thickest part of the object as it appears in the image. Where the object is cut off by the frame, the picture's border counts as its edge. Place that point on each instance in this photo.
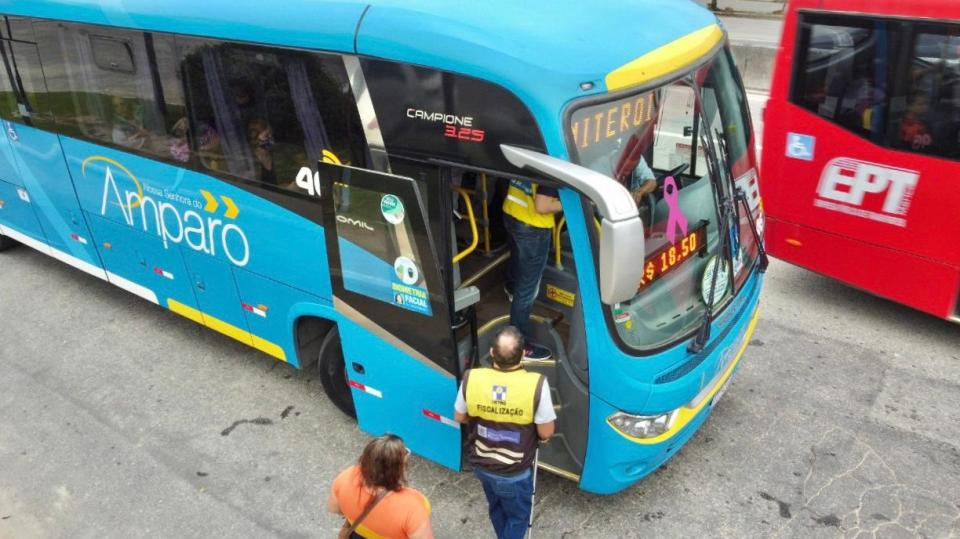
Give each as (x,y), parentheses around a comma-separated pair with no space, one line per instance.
(676,218)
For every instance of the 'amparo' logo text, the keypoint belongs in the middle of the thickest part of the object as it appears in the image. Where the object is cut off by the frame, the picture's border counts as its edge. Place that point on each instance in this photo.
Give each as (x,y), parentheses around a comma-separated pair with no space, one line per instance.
(206,234)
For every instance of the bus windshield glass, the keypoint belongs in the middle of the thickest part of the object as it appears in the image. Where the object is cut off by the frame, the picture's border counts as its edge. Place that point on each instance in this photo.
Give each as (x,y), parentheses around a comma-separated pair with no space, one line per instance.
(657,145)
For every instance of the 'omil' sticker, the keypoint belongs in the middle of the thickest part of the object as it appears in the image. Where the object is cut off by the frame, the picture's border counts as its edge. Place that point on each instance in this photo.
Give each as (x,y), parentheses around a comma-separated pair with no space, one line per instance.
(392,209)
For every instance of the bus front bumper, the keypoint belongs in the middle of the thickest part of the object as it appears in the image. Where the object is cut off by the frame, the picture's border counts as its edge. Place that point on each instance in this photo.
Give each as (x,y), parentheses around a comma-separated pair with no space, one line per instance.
(625,461)
(616,460)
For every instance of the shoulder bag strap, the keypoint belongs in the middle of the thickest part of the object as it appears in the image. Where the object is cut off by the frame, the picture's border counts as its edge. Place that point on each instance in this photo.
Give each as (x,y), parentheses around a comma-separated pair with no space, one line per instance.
(366,511)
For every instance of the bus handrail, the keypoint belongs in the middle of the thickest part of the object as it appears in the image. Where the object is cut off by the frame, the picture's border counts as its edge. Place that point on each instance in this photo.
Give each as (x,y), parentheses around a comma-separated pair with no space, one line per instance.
(473,226)
(557,230)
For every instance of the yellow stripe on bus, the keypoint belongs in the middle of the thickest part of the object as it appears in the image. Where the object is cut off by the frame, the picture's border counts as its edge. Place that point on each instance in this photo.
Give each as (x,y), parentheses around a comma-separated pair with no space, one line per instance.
(664,60)
(268,347)
(229,330)
(184,311)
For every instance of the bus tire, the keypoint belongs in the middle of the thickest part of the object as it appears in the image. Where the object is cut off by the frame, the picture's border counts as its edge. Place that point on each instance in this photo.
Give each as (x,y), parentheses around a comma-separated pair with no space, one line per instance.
(333,373)
(6,242)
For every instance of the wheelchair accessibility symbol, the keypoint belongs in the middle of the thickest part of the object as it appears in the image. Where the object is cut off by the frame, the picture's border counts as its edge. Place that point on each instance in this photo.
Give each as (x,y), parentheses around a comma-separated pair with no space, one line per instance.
(800,146)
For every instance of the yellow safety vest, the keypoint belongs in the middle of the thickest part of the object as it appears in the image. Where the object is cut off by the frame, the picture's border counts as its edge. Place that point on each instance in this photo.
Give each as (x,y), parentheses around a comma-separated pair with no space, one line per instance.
(519,204)
(502,405)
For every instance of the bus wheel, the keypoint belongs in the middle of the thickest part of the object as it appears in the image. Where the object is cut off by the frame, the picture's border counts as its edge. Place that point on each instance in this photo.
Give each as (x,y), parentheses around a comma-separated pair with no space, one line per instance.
(333,373)
(6,242)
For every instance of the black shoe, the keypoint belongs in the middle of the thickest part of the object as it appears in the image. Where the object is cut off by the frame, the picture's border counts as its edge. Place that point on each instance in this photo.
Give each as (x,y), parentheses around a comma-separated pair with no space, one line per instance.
(506,290)
(536,352)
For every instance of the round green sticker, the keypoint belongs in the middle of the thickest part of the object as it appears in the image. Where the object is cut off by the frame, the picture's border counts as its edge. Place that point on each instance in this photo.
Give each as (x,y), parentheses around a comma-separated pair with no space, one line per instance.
(392,209)
(716,275)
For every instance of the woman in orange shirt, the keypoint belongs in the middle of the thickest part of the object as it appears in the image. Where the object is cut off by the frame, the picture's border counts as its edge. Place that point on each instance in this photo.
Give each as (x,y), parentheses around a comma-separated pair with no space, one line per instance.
(400,513)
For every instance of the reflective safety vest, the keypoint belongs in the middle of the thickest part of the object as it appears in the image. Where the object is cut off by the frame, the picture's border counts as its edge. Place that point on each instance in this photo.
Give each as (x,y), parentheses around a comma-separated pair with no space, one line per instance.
(502,405)
(519,205)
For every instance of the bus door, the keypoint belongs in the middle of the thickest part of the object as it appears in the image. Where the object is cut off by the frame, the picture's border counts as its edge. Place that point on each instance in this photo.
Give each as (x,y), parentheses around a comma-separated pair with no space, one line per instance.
(9,109)
(42,168)
(395,316)
(8,167)
(16,212)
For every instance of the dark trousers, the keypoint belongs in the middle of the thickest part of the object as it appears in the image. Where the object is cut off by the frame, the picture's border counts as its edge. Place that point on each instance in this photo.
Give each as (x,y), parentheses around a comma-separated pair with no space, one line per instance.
(509,500)
(529,249)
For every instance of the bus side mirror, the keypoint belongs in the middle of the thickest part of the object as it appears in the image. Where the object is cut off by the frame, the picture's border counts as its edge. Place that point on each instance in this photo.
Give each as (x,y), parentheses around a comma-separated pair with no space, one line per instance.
(622,251)
(621,259)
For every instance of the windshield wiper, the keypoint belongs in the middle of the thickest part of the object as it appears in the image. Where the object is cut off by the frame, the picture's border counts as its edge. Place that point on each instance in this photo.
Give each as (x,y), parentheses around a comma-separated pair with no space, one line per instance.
(762,260)
(703,333)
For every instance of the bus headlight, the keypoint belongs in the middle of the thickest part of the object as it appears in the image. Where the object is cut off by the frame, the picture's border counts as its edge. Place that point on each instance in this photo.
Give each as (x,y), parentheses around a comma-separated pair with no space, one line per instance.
(642,426)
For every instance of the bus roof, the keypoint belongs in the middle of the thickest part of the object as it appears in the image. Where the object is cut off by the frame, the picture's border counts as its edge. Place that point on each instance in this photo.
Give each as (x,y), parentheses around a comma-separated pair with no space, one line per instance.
(540,51)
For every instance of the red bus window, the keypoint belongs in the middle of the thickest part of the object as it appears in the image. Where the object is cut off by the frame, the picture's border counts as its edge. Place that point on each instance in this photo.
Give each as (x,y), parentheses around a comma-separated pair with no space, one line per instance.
(845,70)
(925,112)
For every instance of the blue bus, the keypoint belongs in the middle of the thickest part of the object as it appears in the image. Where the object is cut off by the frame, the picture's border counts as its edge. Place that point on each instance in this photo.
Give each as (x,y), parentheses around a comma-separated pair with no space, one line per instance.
(322,181)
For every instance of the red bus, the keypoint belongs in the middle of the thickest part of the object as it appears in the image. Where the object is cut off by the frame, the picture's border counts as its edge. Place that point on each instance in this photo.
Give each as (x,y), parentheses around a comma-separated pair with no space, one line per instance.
(861,154)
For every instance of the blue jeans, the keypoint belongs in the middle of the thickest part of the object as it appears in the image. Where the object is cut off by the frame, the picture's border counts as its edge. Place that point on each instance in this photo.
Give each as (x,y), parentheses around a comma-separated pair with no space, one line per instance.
(509,500)
(529,249)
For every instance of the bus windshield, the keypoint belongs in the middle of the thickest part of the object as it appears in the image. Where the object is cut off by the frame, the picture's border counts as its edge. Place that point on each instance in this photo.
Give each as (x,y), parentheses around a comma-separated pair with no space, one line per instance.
(658,145)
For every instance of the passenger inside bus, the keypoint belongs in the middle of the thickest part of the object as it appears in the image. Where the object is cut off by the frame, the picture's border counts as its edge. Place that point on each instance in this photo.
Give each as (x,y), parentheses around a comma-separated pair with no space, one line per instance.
(128,129)
(179,143)
(260,135)
(914,130)
(930,122)
(858,100)
(208,147)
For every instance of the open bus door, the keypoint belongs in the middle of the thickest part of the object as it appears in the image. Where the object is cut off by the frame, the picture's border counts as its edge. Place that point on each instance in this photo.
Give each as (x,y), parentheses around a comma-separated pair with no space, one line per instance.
(395,325)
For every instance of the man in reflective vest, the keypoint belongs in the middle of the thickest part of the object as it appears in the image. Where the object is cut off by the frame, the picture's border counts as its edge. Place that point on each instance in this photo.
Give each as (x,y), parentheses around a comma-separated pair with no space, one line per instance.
(508,411)
(528,217)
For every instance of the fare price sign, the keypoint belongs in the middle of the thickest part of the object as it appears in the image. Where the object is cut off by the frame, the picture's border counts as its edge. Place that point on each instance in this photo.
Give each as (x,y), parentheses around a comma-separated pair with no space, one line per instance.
(667,258)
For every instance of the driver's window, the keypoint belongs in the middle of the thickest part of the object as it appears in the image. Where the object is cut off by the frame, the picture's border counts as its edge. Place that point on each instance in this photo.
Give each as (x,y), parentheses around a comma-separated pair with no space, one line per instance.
(673,144)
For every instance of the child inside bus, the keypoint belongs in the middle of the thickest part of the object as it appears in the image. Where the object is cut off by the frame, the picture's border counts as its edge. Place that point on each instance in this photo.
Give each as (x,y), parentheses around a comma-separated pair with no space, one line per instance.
(914,131)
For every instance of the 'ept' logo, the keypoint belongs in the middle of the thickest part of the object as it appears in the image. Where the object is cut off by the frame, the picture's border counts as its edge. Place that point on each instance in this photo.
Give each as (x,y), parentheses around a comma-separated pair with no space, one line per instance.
(849,182)
(499,393)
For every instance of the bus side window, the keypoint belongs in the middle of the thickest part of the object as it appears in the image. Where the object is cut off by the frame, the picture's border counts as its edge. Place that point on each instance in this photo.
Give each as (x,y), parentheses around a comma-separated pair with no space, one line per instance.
(845,69)
(8,99)
(9,66)
(114,87)
(925,113)
(264,114)
(24,79)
